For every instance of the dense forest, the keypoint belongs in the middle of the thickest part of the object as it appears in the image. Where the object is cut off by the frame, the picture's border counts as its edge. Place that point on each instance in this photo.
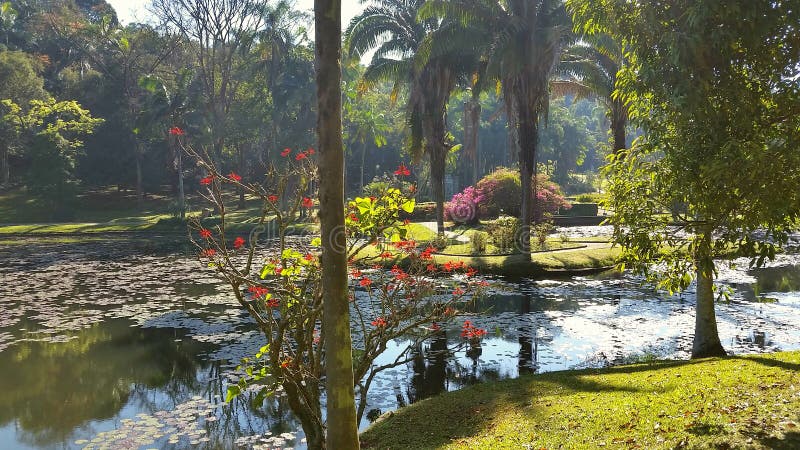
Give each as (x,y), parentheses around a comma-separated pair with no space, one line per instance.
(88,102)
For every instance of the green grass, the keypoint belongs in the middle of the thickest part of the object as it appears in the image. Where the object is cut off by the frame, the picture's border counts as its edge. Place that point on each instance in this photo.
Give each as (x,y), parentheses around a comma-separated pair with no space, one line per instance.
(747,402)
(466,248)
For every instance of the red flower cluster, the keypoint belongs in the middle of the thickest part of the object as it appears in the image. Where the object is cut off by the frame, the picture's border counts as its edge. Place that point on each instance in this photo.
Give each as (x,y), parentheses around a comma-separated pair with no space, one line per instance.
(402,170)
(353,217)
(208,253)
(426,254)
(458,291)
(207,180)
(233,176)
(310,151)
(286,362)
(309,257)
(379,322)
(258,291)
(273,198)
(286,152)
(300,156)
(450,266)
(386,255)
(469,331)
(435,326)
(175,131)
(238,242)
(406,245)
(399,274)
(205,234)
(307,203)
(365,282)
(273,303)
(356,273)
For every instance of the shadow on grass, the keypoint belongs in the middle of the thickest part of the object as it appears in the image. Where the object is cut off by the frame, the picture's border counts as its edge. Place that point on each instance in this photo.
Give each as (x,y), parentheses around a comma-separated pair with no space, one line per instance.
(789,441)
(771,363)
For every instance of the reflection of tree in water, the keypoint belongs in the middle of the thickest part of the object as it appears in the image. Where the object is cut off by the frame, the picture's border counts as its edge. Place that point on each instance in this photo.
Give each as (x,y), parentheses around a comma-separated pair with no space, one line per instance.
(772,279)
(429,365)
(57,387)
(528,344)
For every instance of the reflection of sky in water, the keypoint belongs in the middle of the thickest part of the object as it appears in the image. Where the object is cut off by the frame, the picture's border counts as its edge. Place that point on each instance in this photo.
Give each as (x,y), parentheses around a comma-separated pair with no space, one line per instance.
(125,344)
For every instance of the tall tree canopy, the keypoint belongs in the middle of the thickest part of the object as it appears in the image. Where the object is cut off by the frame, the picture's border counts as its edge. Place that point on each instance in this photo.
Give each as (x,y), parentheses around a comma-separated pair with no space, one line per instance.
(714,85)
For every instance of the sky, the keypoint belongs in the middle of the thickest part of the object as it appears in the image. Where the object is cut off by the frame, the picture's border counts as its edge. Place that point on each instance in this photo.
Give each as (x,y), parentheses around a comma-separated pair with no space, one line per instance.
(136,10)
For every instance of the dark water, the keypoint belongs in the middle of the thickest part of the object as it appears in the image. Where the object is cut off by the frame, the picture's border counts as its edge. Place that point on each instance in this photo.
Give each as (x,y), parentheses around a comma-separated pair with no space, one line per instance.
(130,344)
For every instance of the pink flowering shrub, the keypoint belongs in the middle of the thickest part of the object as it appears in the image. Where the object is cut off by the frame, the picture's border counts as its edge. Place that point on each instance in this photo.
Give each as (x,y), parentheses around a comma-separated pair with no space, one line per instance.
(463,208)
(501,193)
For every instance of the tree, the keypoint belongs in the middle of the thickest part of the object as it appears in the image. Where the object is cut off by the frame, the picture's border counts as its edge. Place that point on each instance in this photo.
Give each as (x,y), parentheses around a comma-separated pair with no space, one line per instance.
(342,424)
(20,82)
(8,15)
(393,24)
(714,87)
(519,42)
(218,32)
(51,131)
(593,64)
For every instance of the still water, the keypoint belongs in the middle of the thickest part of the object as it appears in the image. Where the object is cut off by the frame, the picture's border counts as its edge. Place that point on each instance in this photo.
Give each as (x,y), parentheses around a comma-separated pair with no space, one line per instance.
(123,343)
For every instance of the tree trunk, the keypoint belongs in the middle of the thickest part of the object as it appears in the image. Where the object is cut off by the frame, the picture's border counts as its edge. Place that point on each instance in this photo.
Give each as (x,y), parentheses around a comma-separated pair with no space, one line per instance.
(437,190)
(181,194)
(706,339)
(363,159)
(342,427)
(528,140)
(472,123)
(5,170)
(619,120)
(139,187)
(240,151)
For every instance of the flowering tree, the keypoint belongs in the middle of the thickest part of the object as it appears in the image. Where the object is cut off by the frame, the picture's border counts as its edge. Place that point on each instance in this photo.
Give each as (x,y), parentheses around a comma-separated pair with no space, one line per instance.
(392,290)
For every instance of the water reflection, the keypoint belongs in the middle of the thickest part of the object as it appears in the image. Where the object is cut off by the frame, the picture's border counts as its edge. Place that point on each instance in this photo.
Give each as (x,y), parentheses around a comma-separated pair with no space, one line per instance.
(129,343)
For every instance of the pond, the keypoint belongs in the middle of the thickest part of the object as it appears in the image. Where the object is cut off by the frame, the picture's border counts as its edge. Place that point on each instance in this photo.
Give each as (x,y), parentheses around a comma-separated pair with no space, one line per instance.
(130,343)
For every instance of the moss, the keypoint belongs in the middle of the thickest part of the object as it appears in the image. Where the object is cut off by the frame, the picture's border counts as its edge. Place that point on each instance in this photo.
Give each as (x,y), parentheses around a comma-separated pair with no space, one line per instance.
(741,402)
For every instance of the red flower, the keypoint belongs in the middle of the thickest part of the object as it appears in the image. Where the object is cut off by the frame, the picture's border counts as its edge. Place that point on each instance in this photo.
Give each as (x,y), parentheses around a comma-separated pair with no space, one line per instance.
(435,326)
(309,257)
(402,170)
(310,151)
(286,152)
(273,303)
(175,131)
(238,242)
(412,188)
(258,291)
(286,362)
(300,156)
(207,180)
(379,322)
(208,253)
(273,198)
(278,270)
(458,291)
(307,202)
(407,221)
(233,176)
(365,282)
(471,271)
(386,255)
(426,254)
(205,234)
(353,217)
(431,268)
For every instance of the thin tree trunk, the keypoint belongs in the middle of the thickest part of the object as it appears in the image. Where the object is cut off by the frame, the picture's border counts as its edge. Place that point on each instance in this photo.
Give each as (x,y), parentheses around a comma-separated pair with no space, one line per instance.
(706,338)
(139,186)
(437,182)
(181,194)
(240,151)
(5,170)
(363,159)
(342,427)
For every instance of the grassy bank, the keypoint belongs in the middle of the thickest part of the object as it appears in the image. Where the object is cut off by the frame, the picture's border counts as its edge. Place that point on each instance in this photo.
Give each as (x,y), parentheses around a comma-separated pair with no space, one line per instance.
(747,402)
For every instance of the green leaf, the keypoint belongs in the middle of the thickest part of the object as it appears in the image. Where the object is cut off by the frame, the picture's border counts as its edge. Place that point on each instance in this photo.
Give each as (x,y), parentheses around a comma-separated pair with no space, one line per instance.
(233,392)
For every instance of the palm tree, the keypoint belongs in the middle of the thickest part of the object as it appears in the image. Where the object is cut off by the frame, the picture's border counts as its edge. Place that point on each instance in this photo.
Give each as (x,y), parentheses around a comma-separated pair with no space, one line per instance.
(391,27)
(590,67)
(520,42)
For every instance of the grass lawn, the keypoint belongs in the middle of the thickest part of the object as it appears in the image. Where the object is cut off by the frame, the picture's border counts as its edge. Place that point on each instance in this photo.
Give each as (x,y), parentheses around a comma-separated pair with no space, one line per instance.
(741,402)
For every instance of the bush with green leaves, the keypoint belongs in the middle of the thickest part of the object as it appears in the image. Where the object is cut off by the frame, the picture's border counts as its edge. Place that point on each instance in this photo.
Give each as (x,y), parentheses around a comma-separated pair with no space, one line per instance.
(504,233)
(501,193)
(478,241)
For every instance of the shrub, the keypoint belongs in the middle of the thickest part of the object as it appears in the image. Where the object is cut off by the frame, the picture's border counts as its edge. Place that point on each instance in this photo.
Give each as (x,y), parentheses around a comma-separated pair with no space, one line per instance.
(589,198)
(502,194)
(422,212)
(503,232)
(463,207)
(478,242)
(541,231)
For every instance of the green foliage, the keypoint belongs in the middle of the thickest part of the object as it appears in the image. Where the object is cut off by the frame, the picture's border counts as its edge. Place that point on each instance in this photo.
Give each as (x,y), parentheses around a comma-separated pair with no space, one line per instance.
(478,241)
(502,191)
(504,233)
(719,109)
